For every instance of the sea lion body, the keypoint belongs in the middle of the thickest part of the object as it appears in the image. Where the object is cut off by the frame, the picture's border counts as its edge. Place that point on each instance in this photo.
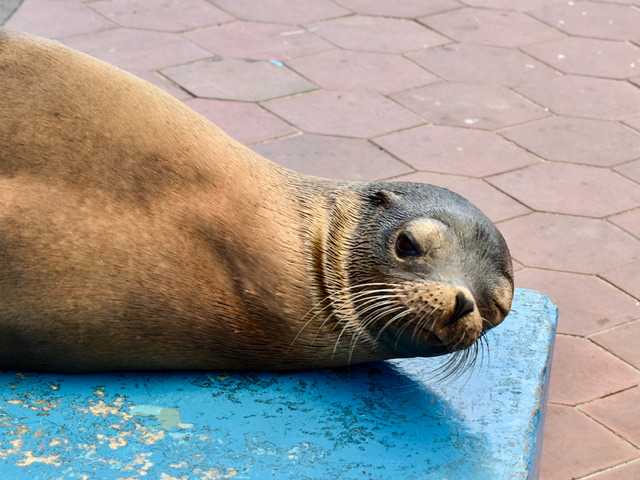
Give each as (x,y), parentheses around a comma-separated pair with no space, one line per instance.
(134,234)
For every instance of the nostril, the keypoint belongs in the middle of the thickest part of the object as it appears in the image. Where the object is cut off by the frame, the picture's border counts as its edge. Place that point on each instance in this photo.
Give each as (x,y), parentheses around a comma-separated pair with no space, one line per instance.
(464,306)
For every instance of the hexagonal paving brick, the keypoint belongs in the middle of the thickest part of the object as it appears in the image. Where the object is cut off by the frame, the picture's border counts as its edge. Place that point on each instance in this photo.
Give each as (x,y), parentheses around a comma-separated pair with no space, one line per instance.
(259,41)
(585,97)
(570,189)
(622,341)
(598,306)
(570,244)
(576,445)
(161,15)
(235,79)
(246,122)
(487,107)
(489,27)
(622,471)
(460,151)
(333,157)
(630,221)
(633,122)
(348,69)
(275,11)
(517,266)
(589,56)
(377,34)
(620,412)
(137,50)
(575,360)
(461,62)
(162,82)
(577,140)
(352,114)
(399,8)
(495,204)
(35,16)
(519,6)
(630,170)
(626,277)
(593,19)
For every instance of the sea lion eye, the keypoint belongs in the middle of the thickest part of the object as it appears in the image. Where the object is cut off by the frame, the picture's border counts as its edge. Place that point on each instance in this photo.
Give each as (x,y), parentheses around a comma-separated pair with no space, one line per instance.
(405,246)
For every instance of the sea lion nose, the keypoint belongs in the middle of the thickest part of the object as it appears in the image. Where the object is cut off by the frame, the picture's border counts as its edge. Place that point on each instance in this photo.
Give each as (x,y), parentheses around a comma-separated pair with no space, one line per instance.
(464,306)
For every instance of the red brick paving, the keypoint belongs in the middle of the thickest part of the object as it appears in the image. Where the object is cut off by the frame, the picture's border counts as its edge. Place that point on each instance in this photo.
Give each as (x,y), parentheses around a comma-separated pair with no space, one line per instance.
(258,41)
(264,80)
(531,109)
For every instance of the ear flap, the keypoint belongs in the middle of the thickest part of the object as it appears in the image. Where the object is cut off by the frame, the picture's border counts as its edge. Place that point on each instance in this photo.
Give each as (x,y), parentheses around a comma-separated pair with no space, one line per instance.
(383,198)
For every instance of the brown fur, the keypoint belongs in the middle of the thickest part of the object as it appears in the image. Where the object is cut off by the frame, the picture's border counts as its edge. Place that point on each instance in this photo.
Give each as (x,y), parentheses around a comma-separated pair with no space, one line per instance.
(134,234)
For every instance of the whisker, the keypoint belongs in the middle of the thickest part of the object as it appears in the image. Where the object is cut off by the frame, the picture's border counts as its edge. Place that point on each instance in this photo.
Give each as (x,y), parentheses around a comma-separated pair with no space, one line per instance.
(403,312)
(361,325)
(370,320)
(336,298)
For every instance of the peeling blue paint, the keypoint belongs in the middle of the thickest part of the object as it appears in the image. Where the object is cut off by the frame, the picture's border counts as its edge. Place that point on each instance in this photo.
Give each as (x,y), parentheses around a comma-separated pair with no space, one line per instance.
(168,417)
(388,420)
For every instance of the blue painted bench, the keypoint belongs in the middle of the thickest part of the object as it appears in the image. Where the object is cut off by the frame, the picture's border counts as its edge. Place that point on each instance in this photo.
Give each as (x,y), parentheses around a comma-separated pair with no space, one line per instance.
(388,420)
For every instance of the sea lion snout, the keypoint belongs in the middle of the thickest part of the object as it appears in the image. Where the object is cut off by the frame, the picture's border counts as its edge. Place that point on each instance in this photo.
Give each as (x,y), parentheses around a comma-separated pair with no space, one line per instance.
(464,306)
(443,315)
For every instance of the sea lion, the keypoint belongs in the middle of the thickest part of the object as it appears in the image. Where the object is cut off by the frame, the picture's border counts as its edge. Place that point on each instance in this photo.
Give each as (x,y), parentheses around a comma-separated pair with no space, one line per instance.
(134,234)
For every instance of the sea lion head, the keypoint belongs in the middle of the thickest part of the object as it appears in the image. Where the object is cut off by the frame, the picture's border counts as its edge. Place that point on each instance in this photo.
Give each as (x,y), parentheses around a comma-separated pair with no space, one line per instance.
(434,274)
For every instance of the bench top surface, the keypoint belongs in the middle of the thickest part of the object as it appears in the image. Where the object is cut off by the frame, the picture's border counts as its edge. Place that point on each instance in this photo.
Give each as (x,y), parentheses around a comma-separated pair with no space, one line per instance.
(386,420)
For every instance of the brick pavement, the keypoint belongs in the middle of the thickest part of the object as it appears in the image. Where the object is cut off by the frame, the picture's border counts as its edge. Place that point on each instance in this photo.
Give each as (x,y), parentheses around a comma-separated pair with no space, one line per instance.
(530,108)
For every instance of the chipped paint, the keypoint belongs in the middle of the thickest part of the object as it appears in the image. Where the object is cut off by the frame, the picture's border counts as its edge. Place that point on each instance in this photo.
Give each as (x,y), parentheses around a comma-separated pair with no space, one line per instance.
(143,459)
(215,474)
(29,458)
(385,421)
(16,445)
(103,409)
(151,438)
(114,442)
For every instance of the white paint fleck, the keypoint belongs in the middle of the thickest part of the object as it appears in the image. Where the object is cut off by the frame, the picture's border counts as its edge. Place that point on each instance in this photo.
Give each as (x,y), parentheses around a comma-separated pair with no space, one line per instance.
(16,445)
(101,409)
(151,438)
(116,442)
(166,476)
(57,441)
(142,459)
(30,458)
(215,474)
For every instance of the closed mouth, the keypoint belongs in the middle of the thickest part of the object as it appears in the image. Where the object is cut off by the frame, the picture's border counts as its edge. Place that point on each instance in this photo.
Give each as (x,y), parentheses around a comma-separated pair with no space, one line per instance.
(407,343)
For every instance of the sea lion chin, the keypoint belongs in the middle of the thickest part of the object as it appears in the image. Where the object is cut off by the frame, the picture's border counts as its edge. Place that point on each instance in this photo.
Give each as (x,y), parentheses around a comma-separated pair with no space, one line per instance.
(136,235)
